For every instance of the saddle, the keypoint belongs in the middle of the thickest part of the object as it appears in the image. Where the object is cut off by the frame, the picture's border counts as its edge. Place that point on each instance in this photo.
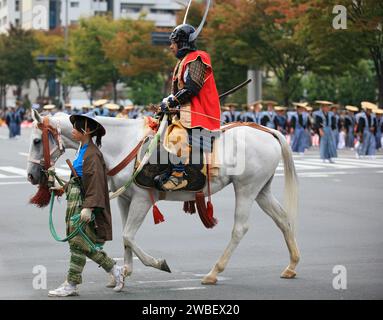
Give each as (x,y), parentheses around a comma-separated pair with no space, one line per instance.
(160,163)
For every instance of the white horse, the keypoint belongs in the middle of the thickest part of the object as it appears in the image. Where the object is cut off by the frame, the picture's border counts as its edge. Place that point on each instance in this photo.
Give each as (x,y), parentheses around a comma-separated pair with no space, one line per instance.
(251,183)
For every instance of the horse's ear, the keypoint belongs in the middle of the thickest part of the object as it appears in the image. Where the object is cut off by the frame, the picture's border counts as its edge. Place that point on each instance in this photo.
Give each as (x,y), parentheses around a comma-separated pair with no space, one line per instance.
(36,116)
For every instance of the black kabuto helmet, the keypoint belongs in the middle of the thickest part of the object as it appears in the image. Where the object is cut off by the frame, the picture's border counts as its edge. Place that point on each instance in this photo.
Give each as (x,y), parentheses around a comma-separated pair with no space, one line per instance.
(181,36)
(185,34)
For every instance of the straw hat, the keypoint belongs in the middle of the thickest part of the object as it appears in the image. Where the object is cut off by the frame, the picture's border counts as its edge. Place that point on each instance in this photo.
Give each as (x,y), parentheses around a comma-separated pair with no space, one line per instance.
(100,102)
(49,107)
(378,111)
(309,108)
(112,106)
(68,105)
(324,102)
(300,105)
(129,107)
(255,103)
(368,105)
(337,106)
(270,102)
(231,104)
(352,108)
(87,106)
(91,117)
(280,108)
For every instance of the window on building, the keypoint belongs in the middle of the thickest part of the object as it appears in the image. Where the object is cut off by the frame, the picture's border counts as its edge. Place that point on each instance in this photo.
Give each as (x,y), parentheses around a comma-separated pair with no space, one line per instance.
(17,5)
(74,4)
(74,22)
(128,8)
(17,22)
(160,11)
(100,13)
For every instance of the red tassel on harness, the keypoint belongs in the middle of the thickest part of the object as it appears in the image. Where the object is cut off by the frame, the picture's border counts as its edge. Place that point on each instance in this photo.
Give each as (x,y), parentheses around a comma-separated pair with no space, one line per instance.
(42,197)
(157,215)
(209,207)
(210,211)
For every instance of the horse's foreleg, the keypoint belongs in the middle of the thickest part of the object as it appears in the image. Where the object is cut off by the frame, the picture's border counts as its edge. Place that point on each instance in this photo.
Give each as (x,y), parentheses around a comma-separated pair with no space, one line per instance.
(138,210)
(123,205)
(243,203)
(271,206)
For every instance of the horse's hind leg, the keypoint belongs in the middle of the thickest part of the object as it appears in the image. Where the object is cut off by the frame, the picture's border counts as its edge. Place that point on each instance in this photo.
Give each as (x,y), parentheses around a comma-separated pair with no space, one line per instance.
(271,206)
(243,203)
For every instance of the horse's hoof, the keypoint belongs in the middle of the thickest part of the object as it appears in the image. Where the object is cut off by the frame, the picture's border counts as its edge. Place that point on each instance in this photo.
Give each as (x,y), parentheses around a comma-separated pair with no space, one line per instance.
(288,274)
(112,283)
(119,287)
(164,266)
(209,280)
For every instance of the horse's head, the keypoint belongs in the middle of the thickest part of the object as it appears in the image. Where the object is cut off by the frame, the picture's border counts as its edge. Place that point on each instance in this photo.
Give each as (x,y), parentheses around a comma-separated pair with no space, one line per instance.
(45,147)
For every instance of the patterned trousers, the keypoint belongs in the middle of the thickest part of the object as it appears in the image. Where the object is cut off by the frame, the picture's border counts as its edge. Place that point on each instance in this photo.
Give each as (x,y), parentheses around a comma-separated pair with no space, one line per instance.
(78,260)
(79,248)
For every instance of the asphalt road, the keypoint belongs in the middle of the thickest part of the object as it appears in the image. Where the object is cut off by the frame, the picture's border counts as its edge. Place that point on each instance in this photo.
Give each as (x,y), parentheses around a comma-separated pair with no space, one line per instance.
(340,223)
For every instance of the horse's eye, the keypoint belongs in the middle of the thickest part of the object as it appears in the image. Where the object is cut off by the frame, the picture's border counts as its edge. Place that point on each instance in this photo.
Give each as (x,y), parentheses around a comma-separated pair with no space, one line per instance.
(36,141)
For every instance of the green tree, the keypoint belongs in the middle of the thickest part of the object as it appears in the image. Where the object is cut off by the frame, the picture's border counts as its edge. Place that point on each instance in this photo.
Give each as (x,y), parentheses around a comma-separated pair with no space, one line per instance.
(49,45)
(16,58)
(132,54)
(88,64)
(147,89)
(264,34)
(335,50)
(349,88)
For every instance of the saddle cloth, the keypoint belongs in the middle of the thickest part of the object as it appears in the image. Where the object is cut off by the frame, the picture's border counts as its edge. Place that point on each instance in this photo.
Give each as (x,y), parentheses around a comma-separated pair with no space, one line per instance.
(162,159)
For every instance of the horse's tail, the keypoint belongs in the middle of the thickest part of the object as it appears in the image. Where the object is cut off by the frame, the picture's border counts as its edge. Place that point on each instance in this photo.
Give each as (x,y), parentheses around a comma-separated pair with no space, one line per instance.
(291,180)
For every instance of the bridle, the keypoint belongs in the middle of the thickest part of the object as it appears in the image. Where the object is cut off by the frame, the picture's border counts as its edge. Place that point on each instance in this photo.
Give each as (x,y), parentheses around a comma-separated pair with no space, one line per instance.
(49,156)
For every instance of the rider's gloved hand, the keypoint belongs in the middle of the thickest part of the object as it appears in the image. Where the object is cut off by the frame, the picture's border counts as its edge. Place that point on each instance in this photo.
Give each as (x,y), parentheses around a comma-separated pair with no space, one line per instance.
(168,103)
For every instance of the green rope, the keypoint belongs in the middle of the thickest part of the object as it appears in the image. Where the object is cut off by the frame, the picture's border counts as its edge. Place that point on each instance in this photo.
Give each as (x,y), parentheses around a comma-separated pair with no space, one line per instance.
(75,221)
(148,152)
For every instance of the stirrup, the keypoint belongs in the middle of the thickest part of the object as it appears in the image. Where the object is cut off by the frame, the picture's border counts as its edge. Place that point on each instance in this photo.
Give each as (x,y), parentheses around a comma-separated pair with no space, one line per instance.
(174,183)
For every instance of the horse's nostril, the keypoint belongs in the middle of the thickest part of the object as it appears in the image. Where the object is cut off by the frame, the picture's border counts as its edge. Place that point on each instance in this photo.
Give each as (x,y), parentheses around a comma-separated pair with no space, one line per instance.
(30,177)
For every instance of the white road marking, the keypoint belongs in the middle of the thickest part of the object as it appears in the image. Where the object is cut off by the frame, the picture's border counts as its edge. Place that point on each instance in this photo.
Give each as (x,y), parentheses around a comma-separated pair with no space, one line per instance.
(164,281)
(331,165)
(24,154)
(187,288)
(363,163)
(12,183)
(18,171)
(3,176)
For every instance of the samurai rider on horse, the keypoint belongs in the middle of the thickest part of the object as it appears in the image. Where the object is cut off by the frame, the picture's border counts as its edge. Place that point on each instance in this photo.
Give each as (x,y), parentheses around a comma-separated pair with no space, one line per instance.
(195,96)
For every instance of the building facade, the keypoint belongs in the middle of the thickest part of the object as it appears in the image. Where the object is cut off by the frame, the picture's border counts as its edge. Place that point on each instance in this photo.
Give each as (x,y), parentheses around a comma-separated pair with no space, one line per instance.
(10,13)
(162,12)
(49,14)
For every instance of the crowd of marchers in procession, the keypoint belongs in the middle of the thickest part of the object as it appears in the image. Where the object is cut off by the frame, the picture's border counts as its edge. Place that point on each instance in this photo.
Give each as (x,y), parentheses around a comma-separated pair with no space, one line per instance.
(329,126)
(335,126)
